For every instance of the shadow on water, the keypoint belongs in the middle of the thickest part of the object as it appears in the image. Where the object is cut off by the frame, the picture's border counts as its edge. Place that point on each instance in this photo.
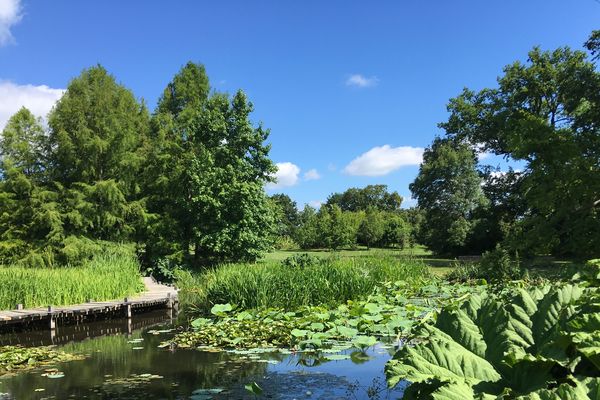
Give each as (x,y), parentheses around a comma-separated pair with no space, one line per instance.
(125,362)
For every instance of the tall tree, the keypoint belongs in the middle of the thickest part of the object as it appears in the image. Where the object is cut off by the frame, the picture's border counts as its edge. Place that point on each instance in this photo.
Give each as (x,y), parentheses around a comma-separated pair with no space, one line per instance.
(371,228)
(212,164)
(96,132)
(29,218)
(545,114)
(448,190)
(287,214)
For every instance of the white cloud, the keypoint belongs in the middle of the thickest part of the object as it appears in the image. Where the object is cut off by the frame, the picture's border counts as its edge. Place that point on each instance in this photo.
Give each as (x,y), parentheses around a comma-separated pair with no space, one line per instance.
(38,99)
(382,160)
(10,14)
(312,175)
(316,203)
(483,155)
(286,175)
(361,81)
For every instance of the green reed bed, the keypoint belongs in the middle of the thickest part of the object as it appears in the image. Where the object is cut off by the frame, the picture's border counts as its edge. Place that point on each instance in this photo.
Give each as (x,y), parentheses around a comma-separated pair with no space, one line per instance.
(278,285)
(108,275)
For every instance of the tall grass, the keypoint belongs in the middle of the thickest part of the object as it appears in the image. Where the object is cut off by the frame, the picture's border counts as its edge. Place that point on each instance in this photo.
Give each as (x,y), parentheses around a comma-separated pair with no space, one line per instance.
(273,284)
(107,275)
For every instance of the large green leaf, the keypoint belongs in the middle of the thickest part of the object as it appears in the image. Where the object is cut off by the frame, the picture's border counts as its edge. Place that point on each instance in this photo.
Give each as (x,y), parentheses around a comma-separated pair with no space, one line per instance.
(441,358)
(517,343)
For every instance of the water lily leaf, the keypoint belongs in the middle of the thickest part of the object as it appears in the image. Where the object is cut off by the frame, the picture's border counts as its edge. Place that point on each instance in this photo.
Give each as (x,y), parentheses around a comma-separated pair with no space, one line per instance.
(337,357)
(364,342)
(346,331)
(200,322)
(221,309)
(299,333)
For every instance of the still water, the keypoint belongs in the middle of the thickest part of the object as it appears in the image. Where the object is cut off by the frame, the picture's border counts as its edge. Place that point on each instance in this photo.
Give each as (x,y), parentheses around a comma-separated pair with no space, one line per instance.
(125,362)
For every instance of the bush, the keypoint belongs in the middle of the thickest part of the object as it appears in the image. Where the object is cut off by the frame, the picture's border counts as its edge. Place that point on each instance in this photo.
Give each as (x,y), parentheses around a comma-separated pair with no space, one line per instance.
(285,243)
(465,272)
(303,260)
(163,270)
(296,282)
(495,266)
(498,265)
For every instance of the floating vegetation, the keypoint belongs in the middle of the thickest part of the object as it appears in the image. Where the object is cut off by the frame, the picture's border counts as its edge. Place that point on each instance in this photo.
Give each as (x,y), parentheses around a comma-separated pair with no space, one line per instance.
(132,380)
(17,358)
(391,311)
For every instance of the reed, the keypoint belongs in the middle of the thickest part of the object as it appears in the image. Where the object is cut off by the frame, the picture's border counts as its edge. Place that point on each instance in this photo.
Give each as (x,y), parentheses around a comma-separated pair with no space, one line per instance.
(274,284)
(107,275)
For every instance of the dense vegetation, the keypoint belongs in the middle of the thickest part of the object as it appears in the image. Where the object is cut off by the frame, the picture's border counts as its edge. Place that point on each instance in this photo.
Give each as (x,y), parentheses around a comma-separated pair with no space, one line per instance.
(185,184)
(533,343)
(370,217)
(109,274)
(544,114)
(297,281)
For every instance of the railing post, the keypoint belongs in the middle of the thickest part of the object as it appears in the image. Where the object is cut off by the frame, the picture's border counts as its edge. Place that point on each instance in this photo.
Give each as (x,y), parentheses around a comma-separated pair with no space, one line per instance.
(169,300)
(52,322)
(127,308)
(19,306)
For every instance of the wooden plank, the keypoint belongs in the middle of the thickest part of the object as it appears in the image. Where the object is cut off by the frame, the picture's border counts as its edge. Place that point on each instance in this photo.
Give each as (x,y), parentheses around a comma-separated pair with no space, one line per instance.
(155,295)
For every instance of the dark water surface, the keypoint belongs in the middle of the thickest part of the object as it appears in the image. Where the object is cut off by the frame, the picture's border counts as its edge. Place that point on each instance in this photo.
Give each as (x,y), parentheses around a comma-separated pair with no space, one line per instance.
(125,362)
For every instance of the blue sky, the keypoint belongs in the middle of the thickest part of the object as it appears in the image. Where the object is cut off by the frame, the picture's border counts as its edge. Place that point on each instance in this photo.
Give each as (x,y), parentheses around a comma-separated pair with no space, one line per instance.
(351,90)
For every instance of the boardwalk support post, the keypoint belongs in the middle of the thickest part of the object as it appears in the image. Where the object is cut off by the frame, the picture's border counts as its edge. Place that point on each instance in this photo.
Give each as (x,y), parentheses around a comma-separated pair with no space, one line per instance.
(127,308)
(52,321)
(169,300)
(19,306)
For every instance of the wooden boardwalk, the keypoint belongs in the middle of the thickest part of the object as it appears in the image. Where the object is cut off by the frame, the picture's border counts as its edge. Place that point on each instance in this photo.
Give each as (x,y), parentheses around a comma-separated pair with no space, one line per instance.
(155,296)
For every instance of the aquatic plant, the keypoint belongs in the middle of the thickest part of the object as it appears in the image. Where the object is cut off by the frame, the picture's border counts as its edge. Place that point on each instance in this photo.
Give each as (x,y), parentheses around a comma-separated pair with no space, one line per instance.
(17,358)
(390,311)
(34,287)
(273,285)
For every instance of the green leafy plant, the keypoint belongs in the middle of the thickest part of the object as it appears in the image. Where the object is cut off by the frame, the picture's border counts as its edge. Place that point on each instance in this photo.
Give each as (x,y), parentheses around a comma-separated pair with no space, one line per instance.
(542,343)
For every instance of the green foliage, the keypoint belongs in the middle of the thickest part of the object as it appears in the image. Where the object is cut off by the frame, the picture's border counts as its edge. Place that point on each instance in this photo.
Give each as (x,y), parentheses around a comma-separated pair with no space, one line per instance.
(370,197)
(16,358)
(285,243)
(396,232)
(372,228)
(538,343)
(328,281)
(543,113)
(465,272)
(302,261)
(205,176)
(287,215)
(498,266)
(448,190)
(391,310)
(96,134)
(34,287)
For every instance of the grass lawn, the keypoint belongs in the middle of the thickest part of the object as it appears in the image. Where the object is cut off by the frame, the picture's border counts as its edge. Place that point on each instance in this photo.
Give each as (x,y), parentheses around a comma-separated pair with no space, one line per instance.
(438,266)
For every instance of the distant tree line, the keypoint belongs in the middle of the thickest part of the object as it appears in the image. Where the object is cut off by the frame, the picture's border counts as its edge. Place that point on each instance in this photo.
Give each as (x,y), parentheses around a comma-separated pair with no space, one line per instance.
(543,114)
(186,182)
(369,216)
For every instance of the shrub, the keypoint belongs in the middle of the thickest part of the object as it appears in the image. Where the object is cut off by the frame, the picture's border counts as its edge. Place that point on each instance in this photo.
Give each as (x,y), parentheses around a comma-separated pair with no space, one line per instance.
(498,265)
(302,261)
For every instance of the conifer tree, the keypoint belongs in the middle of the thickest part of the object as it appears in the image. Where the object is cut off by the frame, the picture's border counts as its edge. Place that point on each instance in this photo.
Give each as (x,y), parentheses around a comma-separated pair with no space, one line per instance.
(97,130)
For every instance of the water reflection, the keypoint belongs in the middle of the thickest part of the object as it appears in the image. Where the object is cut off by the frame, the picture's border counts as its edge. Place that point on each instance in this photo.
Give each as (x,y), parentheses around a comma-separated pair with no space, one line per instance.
(132,366)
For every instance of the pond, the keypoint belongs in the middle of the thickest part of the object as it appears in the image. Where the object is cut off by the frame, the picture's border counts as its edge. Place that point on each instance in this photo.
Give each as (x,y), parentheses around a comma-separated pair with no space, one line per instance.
(124,361)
